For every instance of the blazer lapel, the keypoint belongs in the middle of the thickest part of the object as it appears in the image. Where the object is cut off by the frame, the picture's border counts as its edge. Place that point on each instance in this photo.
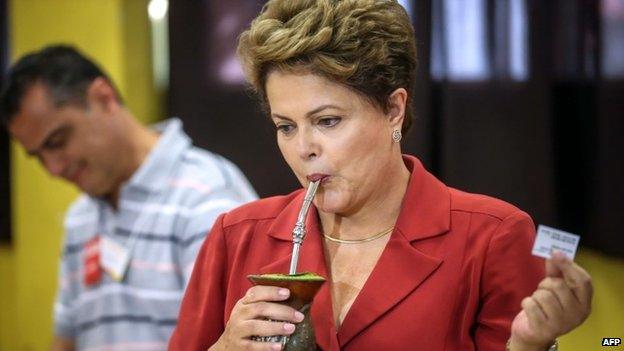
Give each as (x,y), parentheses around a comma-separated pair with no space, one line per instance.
(425,213)
(400,270)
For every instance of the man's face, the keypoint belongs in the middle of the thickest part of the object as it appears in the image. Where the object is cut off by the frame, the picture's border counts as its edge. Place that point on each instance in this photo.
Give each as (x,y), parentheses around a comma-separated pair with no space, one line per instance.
(72,142)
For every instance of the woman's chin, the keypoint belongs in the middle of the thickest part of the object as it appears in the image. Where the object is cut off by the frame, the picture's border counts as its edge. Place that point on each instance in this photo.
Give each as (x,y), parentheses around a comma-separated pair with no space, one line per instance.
(328,209)
(330,203)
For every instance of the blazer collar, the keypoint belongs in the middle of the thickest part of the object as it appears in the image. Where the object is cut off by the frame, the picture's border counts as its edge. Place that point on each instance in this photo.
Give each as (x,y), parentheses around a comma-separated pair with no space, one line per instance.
(311,254)
(283,225)
(426,208)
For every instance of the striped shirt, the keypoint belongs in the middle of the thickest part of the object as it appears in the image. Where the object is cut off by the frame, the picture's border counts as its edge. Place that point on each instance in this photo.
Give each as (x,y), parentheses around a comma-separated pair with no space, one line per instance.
(167,208)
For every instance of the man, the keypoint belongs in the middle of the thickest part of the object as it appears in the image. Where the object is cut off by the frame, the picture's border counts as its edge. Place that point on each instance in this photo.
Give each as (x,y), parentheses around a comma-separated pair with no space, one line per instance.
(150,198)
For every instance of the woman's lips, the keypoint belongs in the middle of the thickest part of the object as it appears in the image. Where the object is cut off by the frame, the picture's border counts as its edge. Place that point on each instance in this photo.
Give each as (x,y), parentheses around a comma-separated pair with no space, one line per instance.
(316,177)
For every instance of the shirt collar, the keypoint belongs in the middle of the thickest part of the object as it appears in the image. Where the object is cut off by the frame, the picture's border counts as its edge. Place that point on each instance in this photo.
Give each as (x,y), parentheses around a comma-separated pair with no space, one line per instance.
(153,173)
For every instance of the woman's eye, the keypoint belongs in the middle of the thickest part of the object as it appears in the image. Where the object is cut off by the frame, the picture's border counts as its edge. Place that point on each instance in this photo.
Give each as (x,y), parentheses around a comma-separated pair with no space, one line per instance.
(329,121)
(284,128)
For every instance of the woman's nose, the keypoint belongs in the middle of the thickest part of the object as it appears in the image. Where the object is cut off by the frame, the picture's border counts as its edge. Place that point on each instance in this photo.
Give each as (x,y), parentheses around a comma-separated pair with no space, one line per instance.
(307,147)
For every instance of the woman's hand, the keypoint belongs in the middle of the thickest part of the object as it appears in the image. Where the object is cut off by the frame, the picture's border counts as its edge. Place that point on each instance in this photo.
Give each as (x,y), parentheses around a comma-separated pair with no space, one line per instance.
(561,302)
(249,318)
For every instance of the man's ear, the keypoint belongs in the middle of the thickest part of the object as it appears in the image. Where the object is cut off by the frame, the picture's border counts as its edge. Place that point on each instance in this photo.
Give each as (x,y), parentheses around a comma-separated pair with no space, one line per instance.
(101,94)
(397,102)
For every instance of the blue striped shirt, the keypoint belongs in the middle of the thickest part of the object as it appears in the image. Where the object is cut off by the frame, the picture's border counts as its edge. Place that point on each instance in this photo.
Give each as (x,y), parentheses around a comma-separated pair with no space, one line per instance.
(167,207)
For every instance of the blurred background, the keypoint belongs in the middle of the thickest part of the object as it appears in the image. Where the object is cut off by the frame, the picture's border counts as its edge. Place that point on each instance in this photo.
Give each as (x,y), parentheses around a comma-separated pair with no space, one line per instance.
(518,99)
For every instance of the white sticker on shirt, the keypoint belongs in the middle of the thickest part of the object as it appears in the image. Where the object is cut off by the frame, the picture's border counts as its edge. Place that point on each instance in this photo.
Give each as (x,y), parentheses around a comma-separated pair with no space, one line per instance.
(550,239)
(114,258)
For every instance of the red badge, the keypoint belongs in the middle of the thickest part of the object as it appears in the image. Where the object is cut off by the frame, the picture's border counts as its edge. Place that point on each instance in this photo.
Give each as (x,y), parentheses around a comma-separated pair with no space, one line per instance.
(92,268)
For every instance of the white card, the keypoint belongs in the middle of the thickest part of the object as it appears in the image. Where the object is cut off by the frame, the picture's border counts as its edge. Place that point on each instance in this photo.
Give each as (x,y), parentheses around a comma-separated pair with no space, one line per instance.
(114,258)
(550,239)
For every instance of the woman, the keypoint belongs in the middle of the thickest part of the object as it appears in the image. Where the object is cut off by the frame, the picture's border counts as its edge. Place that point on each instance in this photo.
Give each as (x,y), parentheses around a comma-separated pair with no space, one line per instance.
(411,263)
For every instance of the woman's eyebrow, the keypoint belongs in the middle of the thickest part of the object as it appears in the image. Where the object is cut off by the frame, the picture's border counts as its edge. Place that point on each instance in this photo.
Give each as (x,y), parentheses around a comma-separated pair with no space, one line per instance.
(321,108)
(310,113)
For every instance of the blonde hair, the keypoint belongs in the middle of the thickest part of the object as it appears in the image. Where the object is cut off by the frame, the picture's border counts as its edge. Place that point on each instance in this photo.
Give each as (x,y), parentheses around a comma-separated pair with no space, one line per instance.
(366,45)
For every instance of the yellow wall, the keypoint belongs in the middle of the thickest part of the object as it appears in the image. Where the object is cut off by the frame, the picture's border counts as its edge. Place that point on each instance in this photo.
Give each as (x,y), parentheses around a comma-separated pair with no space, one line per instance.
(116,34)
(607,317)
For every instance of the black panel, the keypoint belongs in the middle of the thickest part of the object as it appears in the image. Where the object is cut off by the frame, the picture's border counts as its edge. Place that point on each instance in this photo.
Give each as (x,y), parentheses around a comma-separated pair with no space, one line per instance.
(218,116)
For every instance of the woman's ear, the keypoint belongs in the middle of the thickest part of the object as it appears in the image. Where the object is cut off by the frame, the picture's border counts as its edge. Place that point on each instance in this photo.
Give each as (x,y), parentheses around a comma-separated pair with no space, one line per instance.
(397,102)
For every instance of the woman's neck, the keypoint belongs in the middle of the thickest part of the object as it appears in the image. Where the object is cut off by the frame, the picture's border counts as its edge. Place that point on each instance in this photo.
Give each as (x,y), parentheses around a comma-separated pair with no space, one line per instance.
(378,212)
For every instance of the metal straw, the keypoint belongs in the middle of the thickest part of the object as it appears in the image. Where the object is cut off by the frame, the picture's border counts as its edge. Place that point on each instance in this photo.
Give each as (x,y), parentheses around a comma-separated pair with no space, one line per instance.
(299,231)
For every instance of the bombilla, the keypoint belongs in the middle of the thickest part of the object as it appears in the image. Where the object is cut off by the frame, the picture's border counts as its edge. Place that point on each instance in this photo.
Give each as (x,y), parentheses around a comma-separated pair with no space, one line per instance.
(299,231)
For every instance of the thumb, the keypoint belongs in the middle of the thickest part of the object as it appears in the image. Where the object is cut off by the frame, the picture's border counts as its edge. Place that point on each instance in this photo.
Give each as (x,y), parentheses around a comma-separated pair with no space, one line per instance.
(553,264)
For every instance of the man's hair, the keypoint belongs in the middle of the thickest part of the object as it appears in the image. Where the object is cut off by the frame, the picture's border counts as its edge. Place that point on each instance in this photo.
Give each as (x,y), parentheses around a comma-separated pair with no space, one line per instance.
(366,45)
(62,69)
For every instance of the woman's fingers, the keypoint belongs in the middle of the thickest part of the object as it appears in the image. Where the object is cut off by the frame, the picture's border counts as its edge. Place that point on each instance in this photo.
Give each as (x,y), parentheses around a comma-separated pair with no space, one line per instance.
(563,293)
(534,313)
(260,307)
(564,296)
(574,276)
(259,313)
(258,346)
(260,302)
(553,312)
(271,310)
(266,328)
(265,293)
(561,302)
(548,303)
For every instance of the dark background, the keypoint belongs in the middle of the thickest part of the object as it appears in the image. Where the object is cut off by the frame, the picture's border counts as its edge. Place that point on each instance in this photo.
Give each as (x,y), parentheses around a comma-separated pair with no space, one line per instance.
(550,142)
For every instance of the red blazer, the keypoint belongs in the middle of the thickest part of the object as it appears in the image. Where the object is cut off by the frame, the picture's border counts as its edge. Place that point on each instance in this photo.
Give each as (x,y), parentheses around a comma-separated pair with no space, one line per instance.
(450,278)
